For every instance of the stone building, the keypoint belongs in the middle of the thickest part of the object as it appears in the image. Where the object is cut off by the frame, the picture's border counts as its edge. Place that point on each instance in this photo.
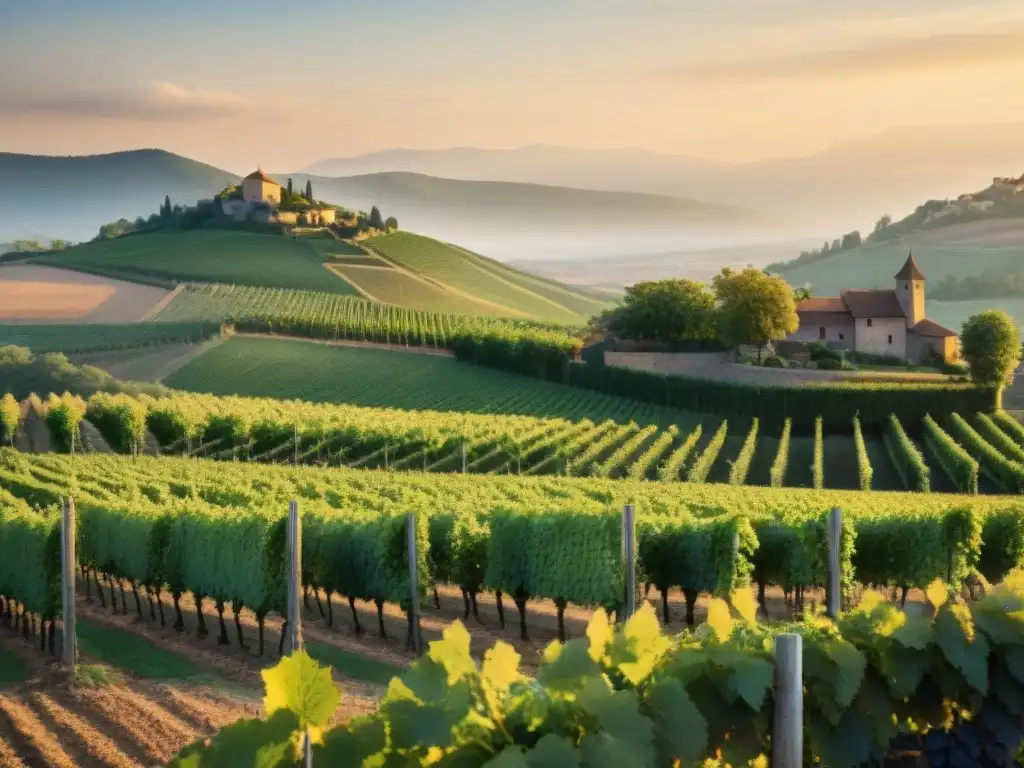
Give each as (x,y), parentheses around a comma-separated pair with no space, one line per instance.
(879,322)
(257,187)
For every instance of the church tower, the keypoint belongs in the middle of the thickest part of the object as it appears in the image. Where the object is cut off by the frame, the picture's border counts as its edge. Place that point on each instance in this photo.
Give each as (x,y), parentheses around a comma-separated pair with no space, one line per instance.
(910,291)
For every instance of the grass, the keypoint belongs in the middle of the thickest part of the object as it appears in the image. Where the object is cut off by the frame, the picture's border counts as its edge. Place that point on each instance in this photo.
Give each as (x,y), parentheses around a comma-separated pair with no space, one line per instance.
(96,676)
(209,256)
(129,651)
(394,286)
(90,338)
(352,665)
(286,369)
(482,279)
(13,669)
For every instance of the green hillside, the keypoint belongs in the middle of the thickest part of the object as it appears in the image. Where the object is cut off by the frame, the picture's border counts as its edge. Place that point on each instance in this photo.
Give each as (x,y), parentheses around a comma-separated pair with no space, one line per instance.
(482,279)
(959,251)
(289,369)
(206,255)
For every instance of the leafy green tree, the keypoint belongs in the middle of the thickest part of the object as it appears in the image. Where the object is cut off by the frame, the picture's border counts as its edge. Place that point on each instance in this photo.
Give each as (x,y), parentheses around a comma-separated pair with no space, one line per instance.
(801,294)
(992,347)
(851,240)
(309,190)
(391,223)
(753,307)
(376,221)
(664,310)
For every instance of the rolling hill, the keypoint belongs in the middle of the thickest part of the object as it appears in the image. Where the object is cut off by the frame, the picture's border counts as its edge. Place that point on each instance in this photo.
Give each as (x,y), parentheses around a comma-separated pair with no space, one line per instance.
(957,251)
(93,190)
(401,268)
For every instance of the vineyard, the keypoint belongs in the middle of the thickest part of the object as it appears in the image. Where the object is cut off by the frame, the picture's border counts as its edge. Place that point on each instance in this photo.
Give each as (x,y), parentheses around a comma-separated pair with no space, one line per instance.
(482,279)
(97,337)
(208,256)
(612,439)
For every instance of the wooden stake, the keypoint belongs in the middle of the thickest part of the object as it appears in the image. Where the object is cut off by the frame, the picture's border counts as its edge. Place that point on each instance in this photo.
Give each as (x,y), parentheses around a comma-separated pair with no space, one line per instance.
(414,581)
(787,736)
(834,591)
(68,566)
(294,629)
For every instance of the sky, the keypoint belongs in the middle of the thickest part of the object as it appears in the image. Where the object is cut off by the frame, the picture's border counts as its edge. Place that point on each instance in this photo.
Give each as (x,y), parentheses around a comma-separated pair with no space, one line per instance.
(238,83)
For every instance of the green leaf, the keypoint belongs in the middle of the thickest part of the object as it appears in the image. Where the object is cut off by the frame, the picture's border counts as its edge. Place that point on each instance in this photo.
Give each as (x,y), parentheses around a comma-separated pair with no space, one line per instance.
(350,745)
(618,713)
(249,744)
(452,652)
(751,679)
(600,750)
(416,725)
(570,667)
(903,669)
(964,648)
(846,745)
(301,686)
(639,646)
(553,752)
(1014,658)
(426,679)
(501,666)
(510,757)
(680,730)
(916,633)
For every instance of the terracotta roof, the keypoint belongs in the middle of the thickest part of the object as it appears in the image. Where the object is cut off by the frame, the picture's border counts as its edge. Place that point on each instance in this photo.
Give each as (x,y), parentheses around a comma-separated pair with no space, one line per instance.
(822,304)
(872,303)
(259,174)
(910,270)
(930,328)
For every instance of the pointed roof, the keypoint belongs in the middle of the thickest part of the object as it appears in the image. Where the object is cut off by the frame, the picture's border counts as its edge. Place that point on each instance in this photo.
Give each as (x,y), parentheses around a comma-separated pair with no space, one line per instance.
(910,270)
(928,327)
(261,176)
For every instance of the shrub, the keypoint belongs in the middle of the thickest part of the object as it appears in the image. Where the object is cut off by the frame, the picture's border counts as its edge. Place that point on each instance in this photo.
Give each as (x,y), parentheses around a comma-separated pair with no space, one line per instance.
(954,460)
(740,467)
(830,364)
(818,468)
(774,362)
(1009,475)
(864,469)
(908,459)
(702,465)
(778,471)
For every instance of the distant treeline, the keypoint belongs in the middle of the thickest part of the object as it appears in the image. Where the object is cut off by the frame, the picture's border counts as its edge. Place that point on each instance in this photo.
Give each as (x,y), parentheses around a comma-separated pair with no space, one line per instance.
(991,284)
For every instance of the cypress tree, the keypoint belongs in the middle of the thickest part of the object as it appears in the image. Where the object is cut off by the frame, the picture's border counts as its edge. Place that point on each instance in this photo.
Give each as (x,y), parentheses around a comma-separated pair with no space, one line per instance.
(309,190)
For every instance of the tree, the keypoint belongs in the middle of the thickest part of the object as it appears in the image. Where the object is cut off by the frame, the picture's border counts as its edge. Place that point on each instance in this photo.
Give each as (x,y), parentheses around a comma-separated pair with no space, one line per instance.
(391,223)
(837,244)
(882,223)
(851,240)
(992,349)
(165,212)
(753,307)
(289,189)
(801,294)
(664,310)
(309,190)
(375,218)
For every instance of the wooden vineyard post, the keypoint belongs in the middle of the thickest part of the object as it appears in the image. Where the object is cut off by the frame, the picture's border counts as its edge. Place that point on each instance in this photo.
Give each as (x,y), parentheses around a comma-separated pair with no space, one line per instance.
(463,457)
(834,591)
(69,639)
(629,559)
(788,733)
(414,581)
(294,639)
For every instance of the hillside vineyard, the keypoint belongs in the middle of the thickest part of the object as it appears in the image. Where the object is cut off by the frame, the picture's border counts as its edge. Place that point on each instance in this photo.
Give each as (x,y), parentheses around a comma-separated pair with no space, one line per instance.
(217,530)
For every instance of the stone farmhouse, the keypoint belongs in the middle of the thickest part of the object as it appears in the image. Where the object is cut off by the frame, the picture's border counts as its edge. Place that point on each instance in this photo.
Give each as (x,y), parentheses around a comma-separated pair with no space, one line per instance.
(261,201)
(879,322)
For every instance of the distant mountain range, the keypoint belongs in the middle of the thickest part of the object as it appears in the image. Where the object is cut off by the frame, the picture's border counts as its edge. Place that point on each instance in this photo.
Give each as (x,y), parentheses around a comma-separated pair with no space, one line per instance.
(842,186)
(71,196)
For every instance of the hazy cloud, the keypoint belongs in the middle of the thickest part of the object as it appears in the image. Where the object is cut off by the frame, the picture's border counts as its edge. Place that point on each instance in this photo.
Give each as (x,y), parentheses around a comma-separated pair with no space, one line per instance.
(151,102)
(890,56)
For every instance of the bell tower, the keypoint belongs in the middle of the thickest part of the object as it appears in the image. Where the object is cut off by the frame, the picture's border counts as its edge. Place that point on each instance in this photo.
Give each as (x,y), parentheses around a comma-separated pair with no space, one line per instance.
(910,291)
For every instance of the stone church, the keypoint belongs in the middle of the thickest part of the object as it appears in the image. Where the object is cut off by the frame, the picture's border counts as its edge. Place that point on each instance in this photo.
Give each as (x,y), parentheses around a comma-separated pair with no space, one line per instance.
(879,322)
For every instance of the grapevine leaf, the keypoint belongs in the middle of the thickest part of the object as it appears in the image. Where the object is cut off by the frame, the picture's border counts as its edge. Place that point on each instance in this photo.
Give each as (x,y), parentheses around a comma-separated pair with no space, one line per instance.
(849,665)
(846,745)
(250,744)
(1009,692)
(750,679)
(745,604)
(638,648)
(304,688)
(510,757)
(452,652)
(1014,658)
(427,680)
(415,725)
(937,593)
(681,731)
(501,666)
(600,632)
(570,667)
(904,669)
(553,752)
(965,649)
(916,633)
(351,745)
(618,713)
(600,750)
(719,620)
